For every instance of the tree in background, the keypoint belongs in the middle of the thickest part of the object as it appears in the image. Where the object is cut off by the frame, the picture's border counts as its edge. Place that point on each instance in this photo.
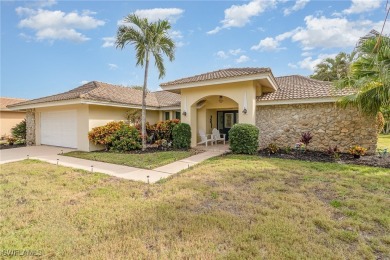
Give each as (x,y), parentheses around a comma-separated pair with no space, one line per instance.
(148,38)
(332,69)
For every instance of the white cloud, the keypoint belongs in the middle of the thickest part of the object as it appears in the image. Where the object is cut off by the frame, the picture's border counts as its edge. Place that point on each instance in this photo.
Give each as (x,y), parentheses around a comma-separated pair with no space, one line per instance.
(299,4)
(176,34)
(108,42)
(240,15)
(272,44)
(309,63)
(112,66)
(267,44)
(57,25)
(155,14)
(236,51)
(322,32)
(242,59)
(84,82)
(361,6)
(222,55)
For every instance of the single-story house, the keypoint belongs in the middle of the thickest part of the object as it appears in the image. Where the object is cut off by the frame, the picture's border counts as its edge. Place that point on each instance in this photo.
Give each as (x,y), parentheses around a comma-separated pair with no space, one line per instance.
(9,118)
(281,107)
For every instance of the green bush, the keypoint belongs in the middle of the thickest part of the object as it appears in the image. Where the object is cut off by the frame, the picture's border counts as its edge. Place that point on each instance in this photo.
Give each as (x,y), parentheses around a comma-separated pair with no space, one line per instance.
(19,131)
(181,135)
(127,138)
(244,138)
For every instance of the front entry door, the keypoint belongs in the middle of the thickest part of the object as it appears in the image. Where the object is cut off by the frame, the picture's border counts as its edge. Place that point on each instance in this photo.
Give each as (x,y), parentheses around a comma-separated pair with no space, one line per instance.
(226,120)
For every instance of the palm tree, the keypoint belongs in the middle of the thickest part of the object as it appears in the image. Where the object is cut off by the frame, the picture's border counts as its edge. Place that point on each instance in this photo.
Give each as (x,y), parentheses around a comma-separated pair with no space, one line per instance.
(332,69)
(369,75)
(149,39)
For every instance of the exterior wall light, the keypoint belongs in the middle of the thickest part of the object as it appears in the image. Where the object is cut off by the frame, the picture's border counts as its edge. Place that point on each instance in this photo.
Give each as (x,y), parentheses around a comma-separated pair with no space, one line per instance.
(244,111)
(184,113)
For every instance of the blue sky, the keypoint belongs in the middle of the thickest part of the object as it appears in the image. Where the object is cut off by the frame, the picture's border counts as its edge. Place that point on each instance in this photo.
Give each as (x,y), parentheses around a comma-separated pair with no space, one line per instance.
(50,46)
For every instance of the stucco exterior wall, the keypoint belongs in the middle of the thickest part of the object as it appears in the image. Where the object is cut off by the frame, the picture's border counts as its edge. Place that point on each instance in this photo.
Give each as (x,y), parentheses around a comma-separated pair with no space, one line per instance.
(8,120)
(234,91)
(329,125)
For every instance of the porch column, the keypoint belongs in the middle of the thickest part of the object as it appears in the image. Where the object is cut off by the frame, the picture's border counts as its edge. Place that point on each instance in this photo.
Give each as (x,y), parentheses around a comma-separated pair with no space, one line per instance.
(193,122)
(30,127)
(250,116)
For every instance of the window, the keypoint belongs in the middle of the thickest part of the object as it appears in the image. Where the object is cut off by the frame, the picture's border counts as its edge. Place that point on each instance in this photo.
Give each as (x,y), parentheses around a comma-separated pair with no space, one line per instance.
(178,115)
(166,115)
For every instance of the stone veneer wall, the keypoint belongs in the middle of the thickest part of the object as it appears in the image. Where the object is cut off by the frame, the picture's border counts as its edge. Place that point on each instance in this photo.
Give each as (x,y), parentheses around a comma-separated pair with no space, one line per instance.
(329,125)
(30,127)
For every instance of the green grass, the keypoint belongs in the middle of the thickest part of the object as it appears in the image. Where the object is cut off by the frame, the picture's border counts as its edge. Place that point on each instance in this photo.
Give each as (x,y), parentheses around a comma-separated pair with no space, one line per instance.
(384,141)
(145,161)
(231,207)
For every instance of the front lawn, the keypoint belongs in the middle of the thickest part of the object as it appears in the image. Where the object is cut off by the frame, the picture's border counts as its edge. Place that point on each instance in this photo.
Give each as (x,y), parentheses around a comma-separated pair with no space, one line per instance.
(384,142)
(145,160)
(235,207)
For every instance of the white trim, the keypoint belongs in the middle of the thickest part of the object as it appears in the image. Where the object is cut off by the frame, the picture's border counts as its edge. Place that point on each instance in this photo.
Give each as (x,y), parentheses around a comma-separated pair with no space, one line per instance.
(88,102)
(266,75)
(297,101)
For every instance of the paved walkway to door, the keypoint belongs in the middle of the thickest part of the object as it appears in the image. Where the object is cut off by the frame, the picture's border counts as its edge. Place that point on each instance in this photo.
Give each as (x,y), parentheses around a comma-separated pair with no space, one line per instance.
(52,154)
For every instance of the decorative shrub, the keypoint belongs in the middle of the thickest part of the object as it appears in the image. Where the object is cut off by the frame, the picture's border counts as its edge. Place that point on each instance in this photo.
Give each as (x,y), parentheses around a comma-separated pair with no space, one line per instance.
(19,131)
(273,148)
(306,138)
(163,144)
(127,138)
(161,130)
(357,151)
(101,135)
(334,152)
(181,135)
(11,140)
(244,138)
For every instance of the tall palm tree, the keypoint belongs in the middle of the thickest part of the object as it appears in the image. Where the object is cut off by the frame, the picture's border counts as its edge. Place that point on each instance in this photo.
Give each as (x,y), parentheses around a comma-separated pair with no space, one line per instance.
(149,39)
(369,75)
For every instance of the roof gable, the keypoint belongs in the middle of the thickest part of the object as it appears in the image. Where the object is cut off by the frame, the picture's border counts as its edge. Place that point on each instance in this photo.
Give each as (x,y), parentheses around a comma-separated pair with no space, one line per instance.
(218,75)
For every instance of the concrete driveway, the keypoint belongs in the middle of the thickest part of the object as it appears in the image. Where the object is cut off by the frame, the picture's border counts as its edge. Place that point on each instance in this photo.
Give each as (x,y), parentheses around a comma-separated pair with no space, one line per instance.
(17,154)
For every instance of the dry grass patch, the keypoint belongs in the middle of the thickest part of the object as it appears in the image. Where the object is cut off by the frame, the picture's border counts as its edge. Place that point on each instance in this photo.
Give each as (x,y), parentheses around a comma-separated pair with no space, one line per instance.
(229,207)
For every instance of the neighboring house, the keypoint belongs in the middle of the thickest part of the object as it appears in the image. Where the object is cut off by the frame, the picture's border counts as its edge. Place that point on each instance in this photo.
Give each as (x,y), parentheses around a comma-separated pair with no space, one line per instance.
(281,107)
(8,118)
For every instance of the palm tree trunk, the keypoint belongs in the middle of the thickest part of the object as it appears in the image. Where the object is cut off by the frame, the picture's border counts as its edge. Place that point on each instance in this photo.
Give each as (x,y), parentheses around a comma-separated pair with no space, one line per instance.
(143,117)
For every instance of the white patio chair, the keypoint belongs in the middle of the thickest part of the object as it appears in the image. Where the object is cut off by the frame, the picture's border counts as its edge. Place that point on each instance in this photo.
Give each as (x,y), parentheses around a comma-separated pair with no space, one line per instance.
(205,138)
(217,136)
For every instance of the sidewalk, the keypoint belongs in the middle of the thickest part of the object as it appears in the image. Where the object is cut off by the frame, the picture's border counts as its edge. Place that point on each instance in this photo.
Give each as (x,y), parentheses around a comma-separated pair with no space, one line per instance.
(49,154)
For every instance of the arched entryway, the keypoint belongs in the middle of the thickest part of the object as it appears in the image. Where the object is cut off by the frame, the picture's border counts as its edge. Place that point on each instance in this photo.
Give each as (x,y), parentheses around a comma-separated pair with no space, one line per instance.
(215,111)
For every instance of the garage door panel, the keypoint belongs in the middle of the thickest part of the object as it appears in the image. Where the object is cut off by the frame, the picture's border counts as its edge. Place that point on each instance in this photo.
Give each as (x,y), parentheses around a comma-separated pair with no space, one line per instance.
(59,128)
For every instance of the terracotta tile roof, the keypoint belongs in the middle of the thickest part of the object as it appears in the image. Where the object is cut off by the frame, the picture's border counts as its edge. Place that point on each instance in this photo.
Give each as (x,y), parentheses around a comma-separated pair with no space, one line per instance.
(5,101)
(99,91)
(219,74)
(299,87)
(167,99)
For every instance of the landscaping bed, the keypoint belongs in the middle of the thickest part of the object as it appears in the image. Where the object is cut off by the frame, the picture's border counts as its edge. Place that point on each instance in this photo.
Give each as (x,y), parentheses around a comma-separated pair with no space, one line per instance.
(317,156)
(7,146)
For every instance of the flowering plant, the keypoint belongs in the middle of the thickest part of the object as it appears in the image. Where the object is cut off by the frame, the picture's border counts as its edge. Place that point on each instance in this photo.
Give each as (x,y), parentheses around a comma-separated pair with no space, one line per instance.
(357,150)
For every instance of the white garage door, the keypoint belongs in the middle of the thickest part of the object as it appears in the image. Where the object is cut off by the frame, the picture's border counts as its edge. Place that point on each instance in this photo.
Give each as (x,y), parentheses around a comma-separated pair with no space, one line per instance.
(59,128)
